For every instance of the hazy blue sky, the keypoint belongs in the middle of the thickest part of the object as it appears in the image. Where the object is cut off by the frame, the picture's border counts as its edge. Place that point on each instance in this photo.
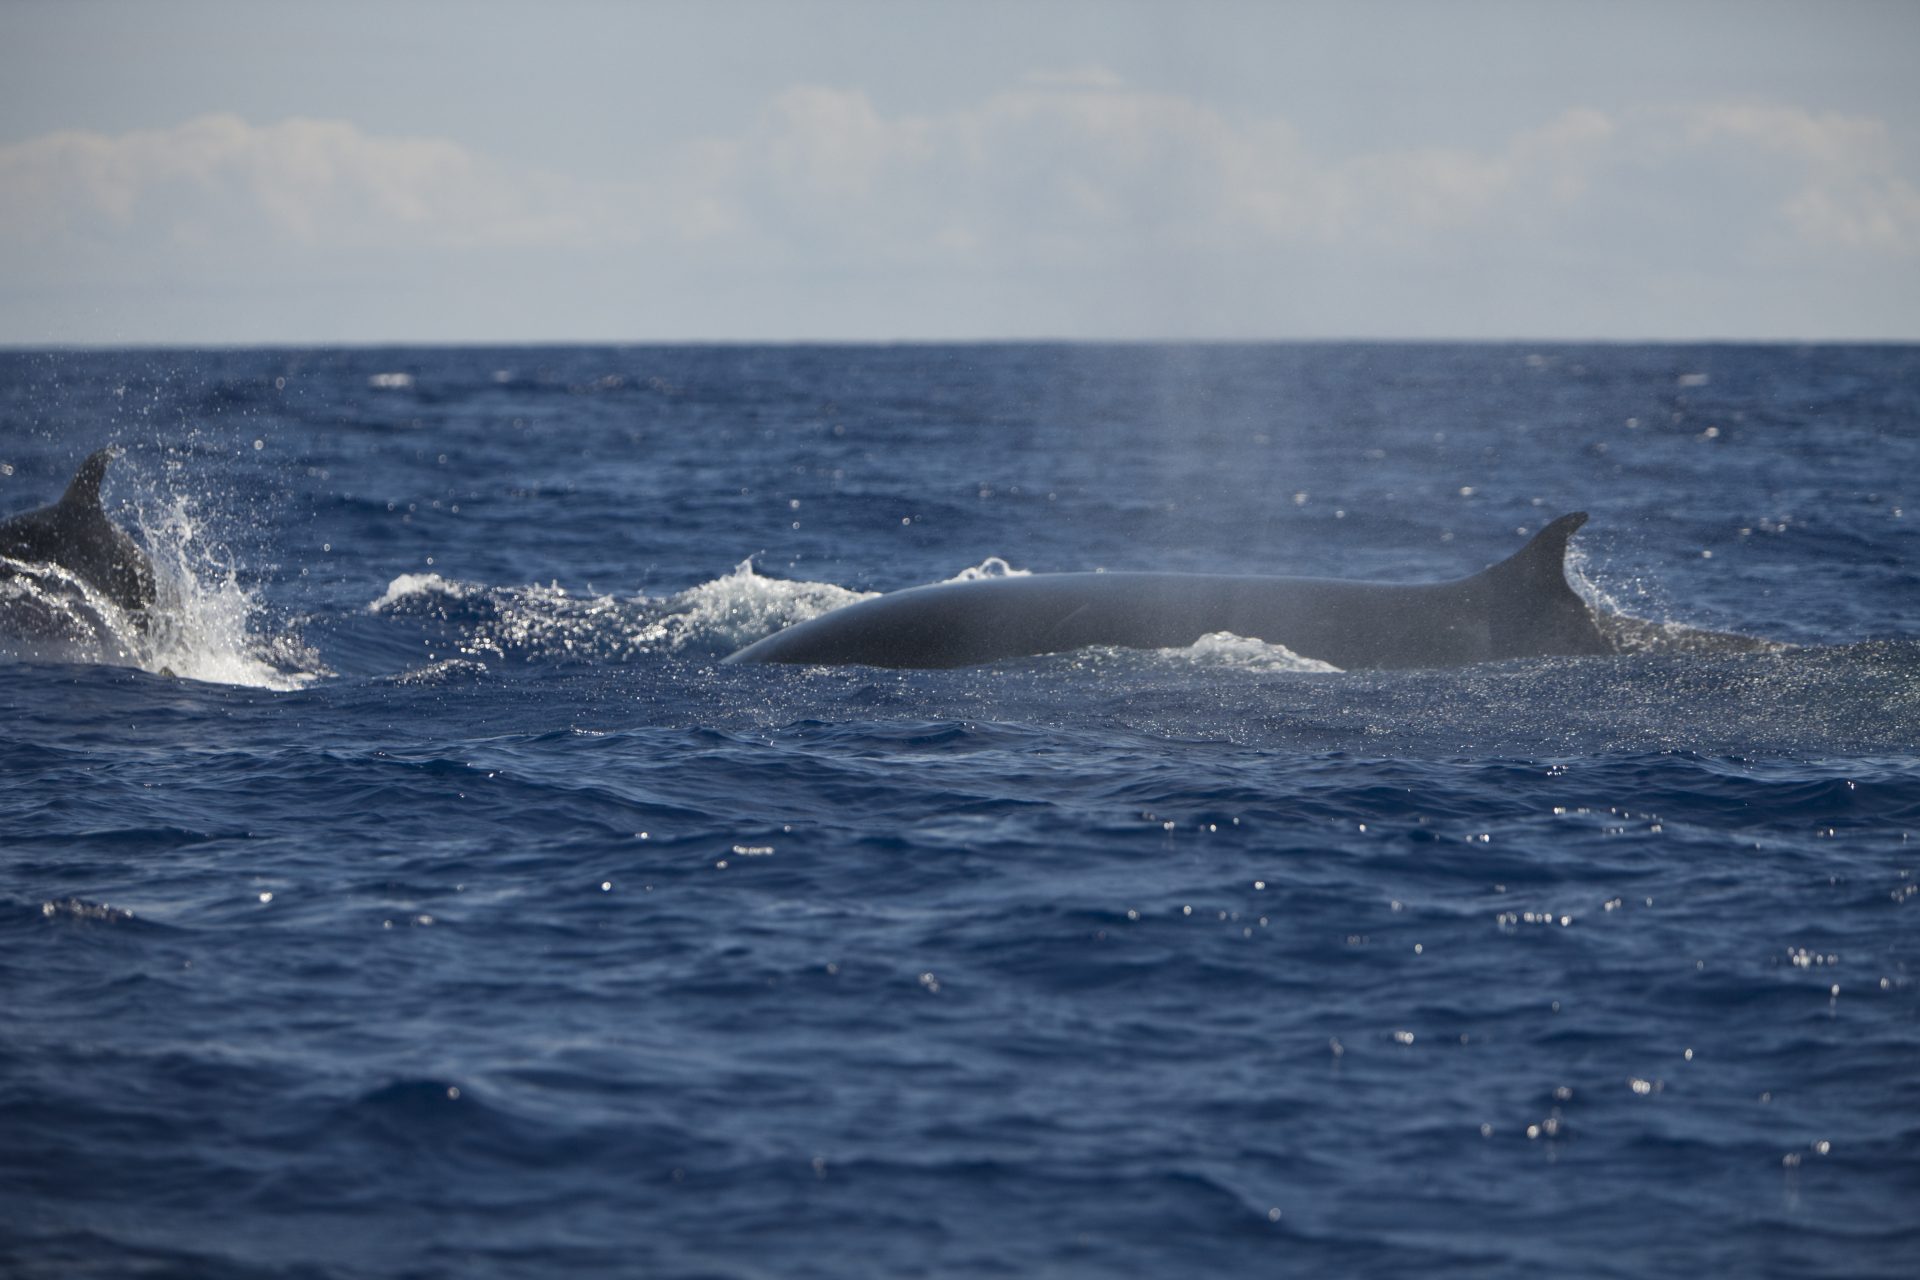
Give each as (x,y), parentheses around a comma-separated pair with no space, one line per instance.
(203,171)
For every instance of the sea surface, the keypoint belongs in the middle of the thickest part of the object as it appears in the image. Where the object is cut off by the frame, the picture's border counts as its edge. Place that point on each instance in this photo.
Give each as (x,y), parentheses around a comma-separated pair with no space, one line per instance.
(418,896)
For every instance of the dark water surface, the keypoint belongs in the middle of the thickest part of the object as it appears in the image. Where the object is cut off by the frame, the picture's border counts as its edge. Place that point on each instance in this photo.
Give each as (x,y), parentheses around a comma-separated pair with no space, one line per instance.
(419,897)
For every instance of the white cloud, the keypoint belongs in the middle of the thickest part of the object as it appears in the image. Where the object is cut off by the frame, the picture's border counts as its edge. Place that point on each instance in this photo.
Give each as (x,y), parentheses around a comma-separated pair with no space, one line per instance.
(1828,141)
(1068,203)
(1075,166)
(1872,217)
(1072,164)
(302,182)
(1850,193)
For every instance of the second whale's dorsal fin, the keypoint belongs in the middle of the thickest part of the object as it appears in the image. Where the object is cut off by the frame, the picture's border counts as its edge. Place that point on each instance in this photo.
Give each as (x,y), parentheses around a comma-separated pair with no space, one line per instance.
(76,534)
(83,493)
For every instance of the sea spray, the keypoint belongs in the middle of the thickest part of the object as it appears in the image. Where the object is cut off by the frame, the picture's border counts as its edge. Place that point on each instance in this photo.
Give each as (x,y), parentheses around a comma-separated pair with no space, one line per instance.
(205,622)
(548,623)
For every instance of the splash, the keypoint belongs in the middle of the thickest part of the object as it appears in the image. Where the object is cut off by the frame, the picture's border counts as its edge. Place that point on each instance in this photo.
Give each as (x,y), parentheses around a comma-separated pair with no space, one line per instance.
(204,624)
(529,623)
(1630,633)
(548,623)
(742,606)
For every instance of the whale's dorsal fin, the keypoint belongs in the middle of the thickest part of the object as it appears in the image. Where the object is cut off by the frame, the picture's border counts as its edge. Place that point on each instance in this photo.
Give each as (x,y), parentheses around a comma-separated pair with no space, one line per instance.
(1531,608)
(84,491)
(77,534)
(1542,563)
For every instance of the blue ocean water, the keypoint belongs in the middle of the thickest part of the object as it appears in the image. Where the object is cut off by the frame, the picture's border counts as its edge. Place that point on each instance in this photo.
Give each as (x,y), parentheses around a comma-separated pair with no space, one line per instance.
(420,897)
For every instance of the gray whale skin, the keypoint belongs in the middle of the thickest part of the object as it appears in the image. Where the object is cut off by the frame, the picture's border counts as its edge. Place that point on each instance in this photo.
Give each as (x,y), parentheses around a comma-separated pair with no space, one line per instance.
(76,534)
(1519,608)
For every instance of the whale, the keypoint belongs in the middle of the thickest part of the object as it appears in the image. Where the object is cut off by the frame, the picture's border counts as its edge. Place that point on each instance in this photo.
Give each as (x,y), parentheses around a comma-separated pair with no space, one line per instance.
(1522,607)
(75,535)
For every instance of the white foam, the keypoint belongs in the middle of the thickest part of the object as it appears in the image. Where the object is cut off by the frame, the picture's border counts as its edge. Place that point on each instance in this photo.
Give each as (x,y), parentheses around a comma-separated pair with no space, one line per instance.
(413,586)
(743,606)
(536,622)
(991,567)
(529,622)
(1225,650)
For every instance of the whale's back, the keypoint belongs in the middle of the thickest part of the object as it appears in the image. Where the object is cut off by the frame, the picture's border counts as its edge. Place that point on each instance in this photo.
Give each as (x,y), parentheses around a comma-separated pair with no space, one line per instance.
(1521,607)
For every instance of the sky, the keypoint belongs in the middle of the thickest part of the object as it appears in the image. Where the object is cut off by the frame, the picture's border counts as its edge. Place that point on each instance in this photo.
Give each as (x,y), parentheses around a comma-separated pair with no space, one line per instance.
(207,172)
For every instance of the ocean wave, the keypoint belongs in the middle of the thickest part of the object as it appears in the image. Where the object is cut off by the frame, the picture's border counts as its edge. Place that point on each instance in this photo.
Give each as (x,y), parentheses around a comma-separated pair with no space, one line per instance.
(742,606)
(544,623)
(78,909)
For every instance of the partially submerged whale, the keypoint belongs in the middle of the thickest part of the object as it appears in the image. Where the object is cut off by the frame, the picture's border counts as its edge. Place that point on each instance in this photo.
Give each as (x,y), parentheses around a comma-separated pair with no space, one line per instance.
(75,535)
(1519,608)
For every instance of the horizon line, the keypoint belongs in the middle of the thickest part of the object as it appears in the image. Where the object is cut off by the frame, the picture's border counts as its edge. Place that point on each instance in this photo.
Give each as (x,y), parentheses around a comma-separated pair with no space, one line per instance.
(10,347)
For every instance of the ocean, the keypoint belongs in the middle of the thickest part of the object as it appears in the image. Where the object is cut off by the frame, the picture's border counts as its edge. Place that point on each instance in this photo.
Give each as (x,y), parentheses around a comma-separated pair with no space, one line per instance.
(419,896)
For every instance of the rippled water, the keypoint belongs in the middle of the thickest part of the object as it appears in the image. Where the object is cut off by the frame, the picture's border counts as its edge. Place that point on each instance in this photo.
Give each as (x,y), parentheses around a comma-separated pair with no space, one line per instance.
(419,895)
